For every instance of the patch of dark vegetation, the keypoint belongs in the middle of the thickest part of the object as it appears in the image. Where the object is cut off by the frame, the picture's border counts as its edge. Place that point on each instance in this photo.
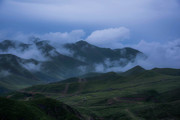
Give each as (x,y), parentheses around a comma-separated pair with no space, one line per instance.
(146,96)
(143,94)
(165,111)
(118,116)
(38,109)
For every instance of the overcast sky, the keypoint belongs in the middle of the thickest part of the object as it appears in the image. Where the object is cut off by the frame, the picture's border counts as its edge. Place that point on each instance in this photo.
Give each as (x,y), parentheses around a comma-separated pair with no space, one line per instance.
(152,26)
(149,20)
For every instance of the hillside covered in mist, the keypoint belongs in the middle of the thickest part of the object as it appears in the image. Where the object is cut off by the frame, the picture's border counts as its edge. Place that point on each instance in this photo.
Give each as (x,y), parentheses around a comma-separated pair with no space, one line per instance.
(35,62)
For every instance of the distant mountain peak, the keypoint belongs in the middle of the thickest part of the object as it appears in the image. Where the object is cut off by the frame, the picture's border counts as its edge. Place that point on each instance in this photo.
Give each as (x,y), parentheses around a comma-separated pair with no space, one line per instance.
(43,42)
(8,57)
(83,43)
(135,70)
(94,55)
(6,41)
(10,42)
(138,67)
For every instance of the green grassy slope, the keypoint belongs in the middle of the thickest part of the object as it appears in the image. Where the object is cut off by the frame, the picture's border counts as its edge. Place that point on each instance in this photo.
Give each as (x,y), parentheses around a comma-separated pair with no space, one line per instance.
(37,109)
(133,71)
(168,71)
(116,97)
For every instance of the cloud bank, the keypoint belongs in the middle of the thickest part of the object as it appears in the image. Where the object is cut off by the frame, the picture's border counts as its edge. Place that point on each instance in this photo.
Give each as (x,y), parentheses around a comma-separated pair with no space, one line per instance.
(162,55)
(109,37)
(30,53)
(159,56)
(56,37)
(63,37)
(32,67)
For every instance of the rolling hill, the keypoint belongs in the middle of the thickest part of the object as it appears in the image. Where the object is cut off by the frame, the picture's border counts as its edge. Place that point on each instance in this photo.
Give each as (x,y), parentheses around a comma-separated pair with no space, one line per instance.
(134,71)
(133,96)
(37,109)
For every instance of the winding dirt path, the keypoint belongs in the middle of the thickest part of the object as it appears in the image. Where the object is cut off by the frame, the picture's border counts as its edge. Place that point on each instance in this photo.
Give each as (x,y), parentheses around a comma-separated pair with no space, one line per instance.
(66,88)
(81,84)
(134,117)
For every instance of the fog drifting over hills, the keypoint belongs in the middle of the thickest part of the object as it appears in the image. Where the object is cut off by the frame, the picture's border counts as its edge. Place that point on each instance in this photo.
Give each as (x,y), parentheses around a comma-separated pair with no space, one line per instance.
(162,55)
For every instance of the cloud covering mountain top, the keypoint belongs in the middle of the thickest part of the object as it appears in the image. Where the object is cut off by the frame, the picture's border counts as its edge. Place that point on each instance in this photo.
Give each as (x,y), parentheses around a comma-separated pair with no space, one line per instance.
(159,54)
(151,26)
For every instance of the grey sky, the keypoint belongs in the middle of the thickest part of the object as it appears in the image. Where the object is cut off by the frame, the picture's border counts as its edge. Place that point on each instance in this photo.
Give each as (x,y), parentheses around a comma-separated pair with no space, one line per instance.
(141,24)
(153,20)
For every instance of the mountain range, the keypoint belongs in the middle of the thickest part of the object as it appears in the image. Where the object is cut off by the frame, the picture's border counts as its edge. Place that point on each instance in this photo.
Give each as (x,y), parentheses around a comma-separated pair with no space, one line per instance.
(37,62)
(63,82)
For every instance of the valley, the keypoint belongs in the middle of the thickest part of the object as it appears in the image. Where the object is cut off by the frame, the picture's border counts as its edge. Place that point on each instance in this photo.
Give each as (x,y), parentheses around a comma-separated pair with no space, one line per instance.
(71,84)
(38,62)
(138,95)
(89,60)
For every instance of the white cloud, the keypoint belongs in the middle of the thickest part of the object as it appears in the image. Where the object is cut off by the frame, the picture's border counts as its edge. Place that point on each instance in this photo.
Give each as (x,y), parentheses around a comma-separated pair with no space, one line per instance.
(109,66)
(159,55)
(55,37)
(59,37)
(31,67)
(111,37)
(14,35)
(31,53)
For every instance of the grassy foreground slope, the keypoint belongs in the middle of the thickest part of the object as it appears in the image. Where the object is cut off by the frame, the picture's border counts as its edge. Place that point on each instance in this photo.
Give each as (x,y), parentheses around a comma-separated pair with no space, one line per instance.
(144,95)
(38,109)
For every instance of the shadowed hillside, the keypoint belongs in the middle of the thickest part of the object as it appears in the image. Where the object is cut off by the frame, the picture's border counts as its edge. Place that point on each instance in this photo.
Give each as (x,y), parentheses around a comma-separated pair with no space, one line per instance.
(37,109)
(140,94)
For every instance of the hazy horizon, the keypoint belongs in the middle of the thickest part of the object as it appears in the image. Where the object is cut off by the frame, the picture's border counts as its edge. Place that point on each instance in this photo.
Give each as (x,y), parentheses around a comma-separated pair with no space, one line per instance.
(151,26)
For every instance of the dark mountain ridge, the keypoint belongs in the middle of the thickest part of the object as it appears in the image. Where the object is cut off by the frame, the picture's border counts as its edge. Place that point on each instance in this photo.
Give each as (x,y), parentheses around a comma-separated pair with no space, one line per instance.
(94,55)
(23,72)
(9,44)
(134,70)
